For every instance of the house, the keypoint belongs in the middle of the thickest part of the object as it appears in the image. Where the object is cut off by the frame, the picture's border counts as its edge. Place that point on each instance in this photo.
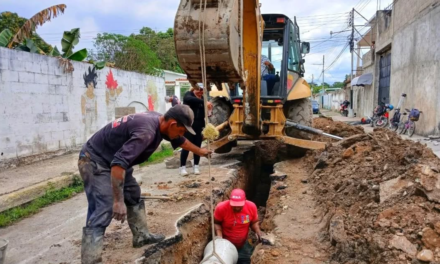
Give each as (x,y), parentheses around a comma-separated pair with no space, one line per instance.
(403,57)
(175,84)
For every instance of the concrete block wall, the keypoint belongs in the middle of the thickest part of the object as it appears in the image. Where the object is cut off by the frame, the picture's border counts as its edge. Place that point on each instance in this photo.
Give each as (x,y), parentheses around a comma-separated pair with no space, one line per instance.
(44,110)
(415,61)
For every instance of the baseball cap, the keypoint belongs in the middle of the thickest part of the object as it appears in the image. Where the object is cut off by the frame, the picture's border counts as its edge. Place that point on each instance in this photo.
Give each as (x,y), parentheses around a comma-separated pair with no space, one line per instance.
(182,114)
(238,198)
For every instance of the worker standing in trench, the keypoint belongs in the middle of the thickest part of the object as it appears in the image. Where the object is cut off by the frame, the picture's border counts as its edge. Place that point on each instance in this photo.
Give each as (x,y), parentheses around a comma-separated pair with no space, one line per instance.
(106,166)
(232,219)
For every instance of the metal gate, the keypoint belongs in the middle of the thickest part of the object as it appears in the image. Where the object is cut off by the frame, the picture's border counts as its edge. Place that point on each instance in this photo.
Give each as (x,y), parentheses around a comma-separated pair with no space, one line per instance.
(384,78)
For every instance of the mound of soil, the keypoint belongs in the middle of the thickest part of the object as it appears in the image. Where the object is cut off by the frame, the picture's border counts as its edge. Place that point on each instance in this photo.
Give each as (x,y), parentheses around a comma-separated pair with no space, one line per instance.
(382,194)
(336,128)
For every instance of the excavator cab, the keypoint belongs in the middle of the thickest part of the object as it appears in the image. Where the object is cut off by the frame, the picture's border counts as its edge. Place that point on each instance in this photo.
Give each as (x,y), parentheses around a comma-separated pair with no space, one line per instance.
(226,43)
(281,47)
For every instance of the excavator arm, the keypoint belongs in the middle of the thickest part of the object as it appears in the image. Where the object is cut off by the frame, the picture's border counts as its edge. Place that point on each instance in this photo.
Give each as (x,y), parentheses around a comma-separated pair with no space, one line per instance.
(231,33)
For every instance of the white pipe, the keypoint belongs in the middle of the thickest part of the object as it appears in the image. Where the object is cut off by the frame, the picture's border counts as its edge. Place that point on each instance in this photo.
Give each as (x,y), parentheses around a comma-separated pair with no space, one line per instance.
(224,249)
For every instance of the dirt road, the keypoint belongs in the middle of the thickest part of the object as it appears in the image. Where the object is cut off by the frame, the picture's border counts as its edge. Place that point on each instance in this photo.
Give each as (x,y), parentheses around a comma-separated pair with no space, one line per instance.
(54,234)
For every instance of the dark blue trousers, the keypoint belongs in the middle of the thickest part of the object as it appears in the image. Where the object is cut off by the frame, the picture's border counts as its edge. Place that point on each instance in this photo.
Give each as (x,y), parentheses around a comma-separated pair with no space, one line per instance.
(98,189)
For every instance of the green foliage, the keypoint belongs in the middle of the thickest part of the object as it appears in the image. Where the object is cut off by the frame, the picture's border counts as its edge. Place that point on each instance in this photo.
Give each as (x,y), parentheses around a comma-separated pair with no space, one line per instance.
(55,52)
(338,85)
(68,42)
(137,56)
(79,55)
(41,44)
(159,156)
(99,65)
(29,46)
(5,37)
(11,21)
(51,196)
(109,47)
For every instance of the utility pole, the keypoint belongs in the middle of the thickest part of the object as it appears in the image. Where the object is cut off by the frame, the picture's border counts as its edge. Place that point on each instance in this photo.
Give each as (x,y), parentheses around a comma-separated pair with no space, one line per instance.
(351,114)
(323,90)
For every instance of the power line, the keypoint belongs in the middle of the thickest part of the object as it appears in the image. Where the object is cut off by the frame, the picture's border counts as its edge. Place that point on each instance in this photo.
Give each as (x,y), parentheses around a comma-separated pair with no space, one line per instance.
(323,15)
(337,58)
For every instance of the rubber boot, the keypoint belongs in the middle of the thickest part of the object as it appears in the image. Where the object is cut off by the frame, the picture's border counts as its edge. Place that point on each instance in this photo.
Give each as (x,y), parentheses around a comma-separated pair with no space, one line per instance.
(137,220)
(91,245)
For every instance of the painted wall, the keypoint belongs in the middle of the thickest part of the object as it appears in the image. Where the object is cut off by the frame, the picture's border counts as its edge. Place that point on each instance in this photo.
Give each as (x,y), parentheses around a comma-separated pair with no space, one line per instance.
(415,61)
(44,110)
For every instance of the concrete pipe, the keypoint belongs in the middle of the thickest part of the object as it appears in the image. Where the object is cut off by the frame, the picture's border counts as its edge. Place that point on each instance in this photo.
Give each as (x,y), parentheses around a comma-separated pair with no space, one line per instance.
(224,249)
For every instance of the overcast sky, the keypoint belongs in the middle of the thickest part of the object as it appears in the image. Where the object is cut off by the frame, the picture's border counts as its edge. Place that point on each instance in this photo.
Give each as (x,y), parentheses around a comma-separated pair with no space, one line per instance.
(316,19)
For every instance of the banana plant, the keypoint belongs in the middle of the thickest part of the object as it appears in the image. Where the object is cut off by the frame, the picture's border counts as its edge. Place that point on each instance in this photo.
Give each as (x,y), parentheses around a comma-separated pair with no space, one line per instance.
(29,46)
(68,42)
(31,24)
(5,37)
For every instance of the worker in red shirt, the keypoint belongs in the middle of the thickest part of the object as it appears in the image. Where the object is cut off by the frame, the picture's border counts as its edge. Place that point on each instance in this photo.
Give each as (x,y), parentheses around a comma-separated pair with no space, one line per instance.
(232,220)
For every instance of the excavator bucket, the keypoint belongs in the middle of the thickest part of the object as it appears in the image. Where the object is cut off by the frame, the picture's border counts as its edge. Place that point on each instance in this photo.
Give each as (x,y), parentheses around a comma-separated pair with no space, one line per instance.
(222,40)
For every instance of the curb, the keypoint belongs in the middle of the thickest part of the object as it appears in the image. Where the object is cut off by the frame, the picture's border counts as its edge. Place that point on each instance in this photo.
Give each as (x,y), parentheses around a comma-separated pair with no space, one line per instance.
(25,195)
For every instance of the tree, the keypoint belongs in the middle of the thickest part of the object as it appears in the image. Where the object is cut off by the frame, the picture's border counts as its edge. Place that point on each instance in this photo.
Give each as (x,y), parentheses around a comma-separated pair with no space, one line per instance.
(162,43)
(338,85)
(137,56)
(28,28)
(13,23)
(107,46)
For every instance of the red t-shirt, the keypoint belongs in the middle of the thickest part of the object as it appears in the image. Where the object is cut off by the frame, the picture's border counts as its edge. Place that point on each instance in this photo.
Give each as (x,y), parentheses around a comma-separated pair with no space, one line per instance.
(235,226)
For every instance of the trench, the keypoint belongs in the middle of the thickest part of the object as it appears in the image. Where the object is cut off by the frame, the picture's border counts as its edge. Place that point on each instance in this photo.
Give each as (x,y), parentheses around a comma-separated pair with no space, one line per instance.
(251,174)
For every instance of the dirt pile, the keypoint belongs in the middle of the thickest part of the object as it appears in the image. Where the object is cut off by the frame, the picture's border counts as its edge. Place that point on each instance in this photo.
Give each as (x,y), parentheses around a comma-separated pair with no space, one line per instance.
(381,194)
(337,128)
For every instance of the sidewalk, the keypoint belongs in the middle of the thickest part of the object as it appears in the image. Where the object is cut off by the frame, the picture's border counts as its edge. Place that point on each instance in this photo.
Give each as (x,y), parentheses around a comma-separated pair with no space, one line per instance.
(435,146)
(25,183)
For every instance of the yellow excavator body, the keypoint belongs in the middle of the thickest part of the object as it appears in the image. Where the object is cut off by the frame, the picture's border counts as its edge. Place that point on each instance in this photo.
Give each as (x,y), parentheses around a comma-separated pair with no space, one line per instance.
(254,102)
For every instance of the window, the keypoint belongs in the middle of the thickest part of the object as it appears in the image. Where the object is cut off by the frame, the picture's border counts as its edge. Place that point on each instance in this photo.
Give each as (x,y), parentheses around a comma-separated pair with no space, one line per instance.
(294,52)
(274,52)
(169,90)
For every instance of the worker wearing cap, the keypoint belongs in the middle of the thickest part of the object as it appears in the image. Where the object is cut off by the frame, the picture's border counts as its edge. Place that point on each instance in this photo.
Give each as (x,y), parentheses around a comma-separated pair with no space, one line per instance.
(232,220)
(106,166)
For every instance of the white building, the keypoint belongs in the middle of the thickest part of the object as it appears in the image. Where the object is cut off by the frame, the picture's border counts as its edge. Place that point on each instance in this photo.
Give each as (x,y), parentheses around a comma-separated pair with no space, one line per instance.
(175,84)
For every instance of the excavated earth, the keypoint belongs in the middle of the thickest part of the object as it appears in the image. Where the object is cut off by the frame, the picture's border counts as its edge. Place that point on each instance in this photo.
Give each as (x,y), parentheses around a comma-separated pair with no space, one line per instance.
(370,198)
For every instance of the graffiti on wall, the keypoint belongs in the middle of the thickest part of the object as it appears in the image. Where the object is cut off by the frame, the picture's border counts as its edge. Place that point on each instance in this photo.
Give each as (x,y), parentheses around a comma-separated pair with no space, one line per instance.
(151,90)
(111,95)
(89,108)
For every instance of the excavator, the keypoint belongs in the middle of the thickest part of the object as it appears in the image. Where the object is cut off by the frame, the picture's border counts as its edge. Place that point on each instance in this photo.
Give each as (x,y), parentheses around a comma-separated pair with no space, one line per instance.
(252,100)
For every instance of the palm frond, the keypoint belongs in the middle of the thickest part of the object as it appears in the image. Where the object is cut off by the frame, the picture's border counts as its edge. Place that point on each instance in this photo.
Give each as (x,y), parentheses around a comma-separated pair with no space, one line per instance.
(37,20)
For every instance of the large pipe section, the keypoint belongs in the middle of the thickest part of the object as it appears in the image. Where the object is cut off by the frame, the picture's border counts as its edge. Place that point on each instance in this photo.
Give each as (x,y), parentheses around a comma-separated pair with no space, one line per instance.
(224,249)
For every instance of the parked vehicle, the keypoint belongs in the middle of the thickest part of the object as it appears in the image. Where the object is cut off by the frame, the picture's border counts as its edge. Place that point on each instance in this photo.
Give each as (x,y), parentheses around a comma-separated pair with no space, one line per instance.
(344,108)
(410,125)
(381,115)
(315,107)
(395,120)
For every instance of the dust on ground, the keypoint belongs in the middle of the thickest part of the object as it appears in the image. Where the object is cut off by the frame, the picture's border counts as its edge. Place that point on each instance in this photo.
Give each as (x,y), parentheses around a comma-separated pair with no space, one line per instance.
(373,197)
